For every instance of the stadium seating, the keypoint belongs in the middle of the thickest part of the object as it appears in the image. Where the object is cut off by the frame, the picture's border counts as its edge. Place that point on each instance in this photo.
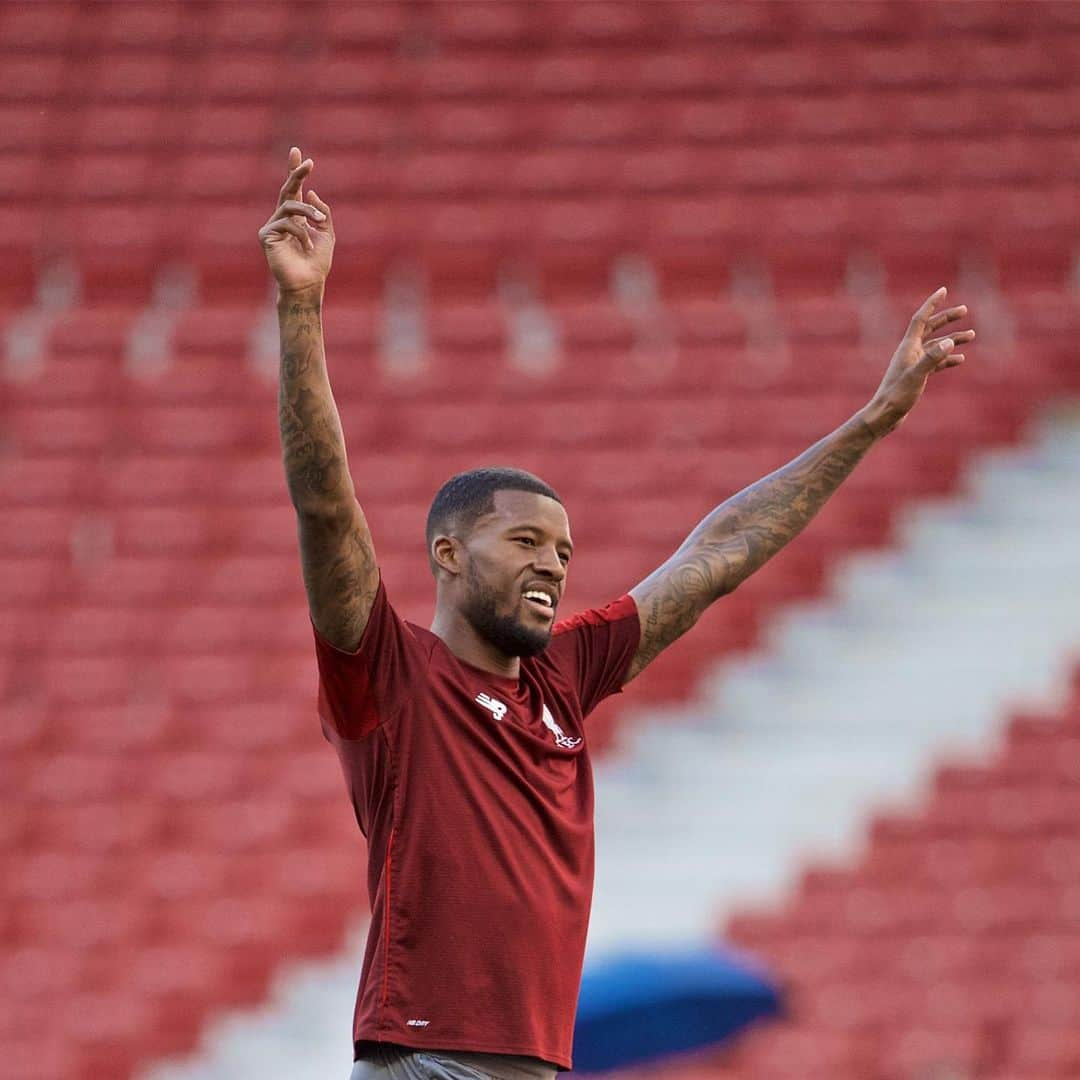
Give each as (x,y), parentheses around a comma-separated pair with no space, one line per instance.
(166,788)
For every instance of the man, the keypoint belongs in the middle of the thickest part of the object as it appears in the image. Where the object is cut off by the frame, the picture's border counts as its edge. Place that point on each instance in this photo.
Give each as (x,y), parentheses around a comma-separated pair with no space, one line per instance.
(463,746)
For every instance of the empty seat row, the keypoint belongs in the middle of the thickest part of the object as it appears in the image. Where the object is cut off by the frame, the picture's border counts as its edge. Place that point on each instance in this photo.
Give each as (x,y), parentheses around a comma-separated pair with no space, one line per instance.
(676,425)
(659,165)
(397,229)
(389,25)
(1021,158)
(651,67)
(398,127)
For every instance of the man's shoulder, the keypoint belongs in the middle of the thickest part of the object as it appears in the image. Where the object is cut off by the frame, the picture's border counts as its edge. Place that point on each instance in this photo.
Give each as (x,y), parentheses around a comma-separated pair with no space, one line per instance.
(424,638)
(622,608)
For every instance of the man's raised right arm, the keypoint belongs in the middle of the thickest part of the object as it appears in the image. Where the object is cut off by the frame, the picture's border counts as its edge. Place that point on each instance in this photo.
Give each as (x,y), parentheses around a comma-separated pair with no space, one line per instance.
(336,551)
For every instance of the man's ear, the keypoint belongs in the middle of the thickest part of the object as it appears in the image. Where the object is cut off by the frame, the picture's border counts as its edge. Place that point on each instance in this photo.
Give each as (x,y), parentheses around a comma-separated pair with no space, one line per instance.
(446,554)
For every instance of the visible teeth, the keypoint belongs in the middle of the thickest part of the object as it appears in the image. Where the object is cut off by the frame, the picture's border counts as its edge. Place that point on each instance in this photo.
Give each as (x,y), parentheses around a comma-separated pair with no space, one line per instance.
(532,594)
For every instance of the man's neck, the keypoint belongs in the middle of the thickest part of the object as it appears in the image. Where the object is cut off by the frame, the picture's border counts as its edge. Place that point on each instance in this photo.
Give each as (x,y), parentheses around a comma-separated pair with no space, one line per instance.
(461,638)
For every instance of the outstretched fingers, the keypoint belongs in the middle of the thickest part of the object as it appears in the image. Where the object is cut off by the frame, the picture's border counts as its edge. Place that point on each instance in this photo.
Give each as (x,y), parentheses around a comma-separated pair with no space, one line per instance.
(953,360)
(958,337)
(941,350)
(936,322)
(939,354)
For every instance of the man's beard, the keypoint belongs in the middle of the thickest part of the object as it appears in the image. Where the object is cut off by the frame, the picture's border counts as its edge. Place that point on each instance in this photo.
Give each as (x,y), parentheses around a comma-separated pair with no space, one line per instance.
(506,632)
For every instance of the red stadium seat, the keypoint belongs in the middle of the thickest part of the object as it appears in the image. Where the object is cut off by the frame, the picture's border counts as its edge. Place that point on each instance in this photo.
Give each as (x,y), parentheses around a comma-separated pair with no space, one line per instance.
(228,172)
(215,127)
(31,78)
(260,580)
(143,579)
(49,481)
(258,25)
(483,74)
(44,26)
(126,76)
(478,24)
(125,126)
(239,628)
(22,175)
(343,76)
(559,172)
(243,825)
(140,25)
(38,531)
(365,126)
(251,726)
(91,680)
(200,428)
(99,331)
(243,76)
(108,176)
(379,24)
(102,630)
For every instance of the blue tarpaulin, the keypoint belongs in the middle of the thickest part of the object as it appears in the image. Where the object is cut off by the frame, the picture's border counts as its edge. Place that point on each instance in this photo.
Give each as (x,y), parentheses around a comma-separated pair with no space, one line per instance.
(637,1007)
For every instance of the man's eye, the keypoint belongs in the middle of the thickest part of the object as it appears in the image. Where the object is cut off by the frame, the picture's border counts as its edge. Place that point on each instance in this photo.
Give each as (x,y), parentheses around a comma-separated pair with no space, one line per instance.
(526,540)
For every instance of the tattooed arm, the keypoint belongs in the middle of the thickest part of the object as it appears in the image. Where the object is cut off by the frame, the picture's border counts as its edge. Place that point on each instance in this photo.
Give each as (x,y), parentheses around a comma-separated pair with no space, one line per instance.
(742,534)
(336,551)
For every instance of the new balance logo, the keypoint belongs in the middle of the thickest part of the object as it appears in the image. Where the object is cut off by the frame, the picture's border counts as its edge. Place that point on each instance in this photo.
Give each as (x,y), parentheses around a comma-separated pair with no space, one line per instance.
(561,738)
(496,708)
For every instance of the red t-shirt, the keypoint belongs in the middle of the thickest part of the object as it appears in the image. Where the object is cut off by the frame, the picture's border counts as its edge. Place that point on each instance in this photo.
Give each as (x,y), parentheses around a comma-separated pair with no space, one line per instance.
(475,793)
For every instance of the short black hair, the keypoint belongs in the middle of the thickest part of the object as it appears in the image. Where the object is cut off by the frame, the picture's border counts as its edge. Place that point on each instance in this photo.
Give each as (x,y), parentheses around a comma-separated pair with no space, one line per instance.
(470,495)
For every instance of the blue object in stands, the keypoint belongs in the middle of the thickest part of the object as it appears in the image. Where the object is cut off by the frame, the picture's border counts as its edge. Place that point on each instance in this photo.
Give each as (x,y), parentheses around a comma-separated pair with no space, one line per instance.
(638,1007)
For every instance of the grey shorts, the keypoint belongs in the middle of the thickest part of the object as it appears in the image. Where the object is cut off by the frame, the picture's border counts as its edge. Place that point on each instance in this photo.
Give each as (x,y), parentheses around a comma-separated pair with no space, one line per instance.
(385,1061)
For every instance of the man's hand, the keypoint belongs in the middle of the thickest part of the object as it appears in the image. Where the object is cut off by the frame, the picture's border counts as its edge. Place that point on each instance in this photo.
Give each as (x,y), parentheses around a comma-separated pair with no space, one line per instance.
(918,356)
(299,237)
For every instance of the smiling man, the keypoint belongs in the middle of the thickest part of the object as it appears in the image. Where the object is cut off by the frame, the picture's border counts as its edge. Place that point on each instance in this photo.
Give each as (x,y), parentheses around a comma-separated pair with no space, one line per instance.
(463,745)
(499,545)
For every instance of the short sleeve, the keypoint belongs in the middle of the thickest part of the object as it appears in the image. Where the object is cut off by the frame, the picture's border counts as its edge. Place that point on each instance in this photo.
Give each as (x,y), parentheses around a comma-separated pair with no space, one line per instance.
(360,690)
(596,647)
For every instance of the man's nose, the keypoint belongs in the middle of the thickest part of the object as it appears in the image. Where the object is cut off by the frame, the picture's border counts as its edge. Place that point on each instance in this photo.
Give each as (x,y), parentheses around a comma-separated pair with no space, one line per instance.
(547,561)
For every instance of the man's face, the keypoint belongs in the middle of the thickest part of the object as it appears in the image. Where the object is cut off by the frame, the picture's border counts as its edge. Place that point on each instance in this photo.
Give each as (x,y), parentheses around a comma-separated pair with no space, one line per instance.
(516,570)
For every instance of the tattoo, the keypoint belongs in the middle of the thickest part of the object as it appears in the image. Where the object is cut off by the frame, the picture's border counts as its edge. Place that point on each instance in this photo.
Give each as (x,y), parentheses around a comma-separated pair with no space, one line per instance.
(671,600)
(337,555)
(313,448)
(341,578)
(311,439)
(740,536)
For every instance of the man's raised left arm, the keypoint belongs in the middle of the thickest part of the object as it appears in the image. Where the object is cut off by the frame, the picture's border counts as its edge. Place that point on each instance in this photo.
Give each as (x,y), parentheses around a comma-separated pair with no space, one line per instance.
(747,530)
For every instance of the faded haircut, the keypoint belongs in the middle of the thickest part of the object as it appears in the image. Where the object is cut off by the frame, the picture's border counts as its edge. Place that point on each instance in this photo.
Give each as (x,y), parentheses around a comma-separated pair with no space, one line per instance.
(468,496)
